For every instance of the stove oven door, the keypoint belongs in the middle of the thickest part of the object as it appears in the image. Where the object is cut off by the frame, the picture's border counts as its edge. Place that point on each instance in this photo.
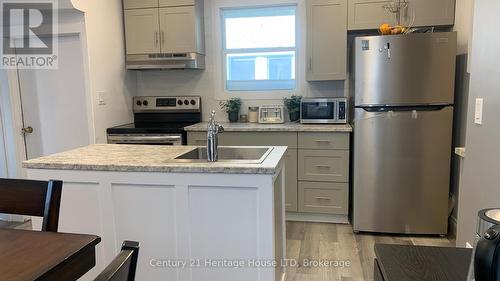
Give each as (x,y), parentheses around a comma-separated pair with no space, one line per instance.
(146,139)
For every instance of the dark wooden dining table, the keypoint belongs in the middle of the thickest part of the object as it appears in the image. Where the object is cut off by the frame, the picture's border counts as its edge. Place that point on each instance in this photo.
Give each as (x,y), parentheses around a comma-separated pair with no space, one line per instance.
(35,255)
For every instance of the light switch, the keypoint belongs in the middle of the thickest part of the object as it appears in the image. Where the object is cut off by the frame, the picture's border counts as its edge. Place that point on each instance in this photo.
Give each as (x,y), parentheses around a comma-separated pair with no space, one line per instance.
(478,116)
(101,98)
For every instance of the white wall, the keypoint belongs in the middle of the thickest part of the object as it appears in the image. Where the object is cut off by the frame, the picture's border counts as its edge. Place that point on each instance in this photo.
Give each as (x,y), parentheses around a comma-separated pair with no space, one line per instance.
(106,53)
(196,82)
(480,187)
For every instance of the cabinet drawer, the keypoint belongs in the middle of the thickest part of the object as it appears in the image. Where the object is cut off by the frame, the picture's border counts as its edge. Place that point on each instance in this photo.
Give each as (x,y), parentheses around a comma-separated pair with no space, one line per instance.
(138,4)
(291,180)
(324,165)
(323,140)
(322,197)
(247,139)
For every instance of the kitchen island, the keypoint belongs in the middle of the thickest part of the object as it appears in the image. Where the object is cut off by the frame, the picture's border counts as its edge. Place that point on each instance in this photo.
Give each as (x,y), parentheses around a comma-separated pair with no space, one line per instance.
(195,220)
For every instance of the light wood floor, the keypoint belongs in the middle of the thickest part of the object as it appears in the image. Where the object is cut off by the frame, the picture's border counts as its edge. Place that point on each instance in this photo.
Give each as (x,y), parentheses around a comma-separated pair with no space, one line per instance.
(332,242)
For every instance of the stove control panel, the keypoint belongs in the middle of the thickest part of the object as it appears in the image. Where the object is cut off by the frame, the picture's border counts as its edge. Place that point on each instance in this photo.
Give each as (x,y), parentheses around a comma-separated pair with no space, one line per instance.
(167,104)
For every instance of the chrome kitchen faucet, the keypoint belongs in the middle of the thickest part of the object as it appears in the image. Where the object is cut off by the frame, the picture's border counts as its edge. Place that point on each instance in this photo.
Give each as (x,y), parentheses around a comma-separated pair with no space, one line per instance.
(213,129)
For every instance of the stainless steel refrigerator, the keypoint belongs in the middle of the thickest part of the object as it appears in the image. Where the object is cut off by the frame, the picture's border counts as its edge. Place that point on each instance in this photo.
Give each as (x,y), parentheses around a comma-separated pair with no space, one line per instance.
(403,119)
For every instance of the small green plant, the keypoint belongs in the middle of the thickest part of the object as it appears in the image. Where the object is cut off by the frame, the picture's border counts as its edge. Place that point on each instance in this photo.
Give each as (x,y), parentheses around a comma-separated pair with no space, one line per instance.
(232,105)
(293,103)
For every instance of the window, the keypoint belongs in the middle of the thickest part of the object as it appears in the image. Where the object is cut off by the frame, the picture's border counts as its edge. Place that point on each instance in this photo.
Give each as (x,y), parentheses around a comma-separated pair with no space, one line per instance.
(259,48)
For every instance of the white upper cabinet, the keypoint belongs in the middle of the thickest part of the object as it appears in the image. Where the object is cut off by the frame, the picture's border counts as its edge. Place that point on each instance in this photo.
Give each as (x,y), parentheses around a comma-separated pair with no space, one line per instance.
(431,12)
(173,3)
(370,14)
(326,40)
(177,25)
(142,31)
(139,4)
(178,29)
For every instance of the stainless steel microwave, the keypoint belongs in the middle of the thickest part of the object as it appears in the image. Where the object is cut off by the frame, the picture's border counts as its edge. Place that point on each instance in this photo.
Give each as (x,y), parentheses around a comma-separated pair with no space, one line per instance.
(324,111)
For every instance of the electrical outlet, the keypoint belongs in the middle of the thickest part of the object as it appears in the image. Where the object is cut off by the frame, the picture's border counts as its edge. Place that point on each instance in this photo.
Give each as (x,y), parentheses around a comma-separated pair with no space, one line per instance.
(101,98)
(478,115)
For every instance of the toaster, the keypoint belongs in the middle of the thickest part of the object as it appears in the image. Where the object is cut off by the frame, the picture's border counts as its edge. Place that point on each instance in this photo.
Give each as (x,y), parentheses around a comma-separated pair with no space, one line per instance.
(271,114)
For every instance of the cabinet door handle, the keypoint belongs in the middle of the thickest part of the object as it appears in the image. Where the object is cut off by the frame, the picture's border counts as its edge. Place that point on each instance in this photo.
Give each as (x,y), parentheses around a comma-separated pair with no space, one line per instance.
(310,63)
(323,166)
(324,198)
(156,39)
(323,141)
(163,38)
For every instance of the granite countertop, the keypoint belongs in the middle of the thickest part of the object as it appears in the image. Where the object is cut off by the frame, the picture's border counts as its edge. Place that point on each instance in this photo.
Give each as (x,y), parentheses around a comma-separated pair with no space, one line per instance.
(147,158)
(286,127)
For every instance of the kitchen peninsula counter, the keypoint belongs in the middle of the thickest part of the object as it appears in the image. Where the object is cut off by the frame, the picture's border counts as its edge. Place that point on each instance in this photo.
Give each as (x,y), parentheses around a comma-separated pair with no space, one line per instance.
(183,214)
(147,158)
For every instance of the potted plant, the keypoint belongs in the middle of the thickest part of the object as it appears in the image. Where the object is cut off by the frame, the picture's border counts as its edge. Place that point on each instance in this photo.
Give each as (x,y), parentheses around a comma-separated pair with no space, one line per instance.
(232,108)
(293,105)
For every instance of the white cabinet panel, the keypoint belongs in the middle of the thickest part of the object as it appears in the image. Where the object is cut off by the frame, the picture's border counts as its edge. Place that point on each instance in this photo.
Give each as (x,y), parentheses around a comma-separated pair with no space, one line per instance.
(142,31)
(138,4)
(291,180)
(431,12)
(178,25)
(369,14)
(326,40)
(136,208)
(173,3)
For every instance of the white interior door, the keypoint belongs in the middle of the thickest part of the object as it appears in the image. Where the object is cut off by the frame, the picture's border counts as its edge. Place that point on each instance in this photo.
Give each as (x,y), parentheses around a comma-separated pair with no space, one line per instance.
(4,92)
(3,151)
(54,103)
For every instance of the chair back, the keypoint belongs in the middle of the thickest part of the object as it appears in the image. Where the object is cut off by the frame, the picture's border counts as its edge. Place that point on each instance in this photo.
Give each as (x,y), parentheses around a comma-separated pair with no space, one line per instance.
(123,267)
(32,198)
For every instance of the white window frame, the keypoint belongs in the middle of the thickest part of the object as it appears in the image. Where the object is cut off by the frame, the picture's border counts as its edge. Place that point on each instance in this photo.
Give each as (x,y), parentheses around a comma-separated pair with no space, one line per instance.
(221,93)
(249,51)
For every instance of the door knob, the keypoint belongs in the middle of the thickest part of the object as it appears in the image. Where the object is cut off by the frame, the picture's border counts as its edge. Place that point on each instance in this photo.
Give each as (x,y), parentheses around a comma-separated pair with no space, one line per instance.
(27,130)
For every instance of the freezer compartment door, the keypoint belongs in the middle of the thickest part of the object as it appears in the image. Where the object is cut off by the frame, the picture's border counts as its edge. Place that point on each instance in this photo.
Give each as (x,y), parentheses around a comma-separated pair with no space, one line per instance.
(405,69)
(402,170)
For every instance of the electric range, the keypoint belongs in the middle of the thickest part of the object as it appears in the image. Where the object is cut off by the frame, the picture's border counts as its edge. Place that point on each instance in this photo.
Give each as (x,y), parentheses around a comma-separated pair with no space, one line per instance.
(158,121)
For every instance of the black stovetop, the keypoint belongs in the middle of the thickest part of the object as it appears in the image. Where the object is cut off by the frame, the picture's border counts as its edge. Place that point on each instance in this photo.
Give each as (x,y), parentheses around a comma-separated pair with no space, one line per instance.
(149,128)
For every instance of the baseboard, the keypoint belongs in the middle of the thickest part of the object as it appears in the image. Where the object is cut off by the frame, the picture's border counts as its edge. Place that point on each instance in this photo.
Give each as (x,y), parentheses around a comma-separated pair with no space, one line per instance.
(311,217)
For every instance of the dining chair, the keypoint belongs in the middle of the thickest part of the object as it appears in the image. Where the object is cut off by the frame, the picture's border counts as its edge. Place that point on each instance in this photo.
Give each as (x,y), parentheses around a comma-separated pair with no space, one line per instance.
(32,198)
(123,267)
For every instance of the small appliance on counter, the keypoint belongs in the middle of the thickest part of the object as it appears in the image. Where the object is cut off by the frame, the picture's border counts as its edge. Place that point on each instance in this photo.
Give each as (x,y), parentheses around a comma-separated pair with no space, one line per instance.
(485,265)
(323,111)
(158,121)
(253,114)
(271,114)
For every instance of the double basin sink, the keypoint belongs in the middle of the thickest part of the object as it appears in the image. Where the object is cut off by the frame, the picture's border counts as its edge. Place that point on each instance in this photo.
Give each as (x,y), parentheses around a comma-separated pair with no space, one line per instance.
(227,154)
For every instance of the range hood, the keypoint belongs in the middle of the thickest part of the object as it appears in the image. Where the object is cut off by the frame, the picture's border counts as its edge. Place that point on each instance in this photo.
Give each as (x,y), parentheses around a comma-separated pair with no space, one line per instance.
(166,61)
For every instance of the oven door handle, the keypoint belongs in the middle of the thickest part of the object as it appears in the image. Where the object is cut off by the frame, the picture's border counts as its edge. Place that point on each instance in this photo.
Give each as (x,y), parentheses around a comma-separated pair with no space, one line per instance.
(145,139)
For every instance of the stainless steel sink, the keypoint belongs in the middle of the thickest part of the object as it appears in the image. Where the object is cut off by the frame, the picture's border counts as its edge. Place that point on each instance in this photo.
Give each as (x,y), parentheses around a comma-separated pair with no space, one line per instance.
(243,155)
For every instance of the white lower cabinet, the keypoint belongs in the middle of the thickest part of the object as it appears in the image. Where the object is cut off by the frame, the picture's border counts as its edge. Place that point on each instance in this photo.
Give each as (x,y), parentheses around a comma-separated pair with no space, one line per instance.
(291,181)
(316,168)
(323,197)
